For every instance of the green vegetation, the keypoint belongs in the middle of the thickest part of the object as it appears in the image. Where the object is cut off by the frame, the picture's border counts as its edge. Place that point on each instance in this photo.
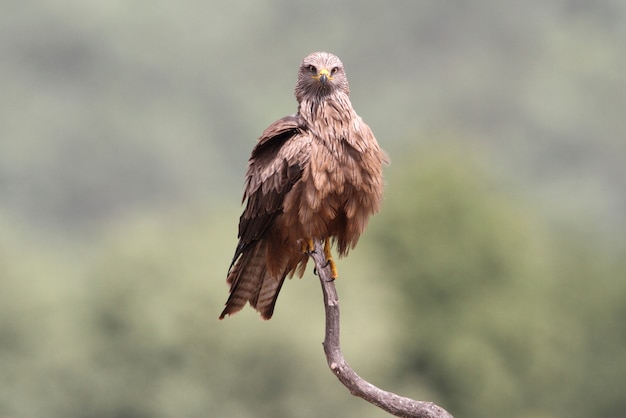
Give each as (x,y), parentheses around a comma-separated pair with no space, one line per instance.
(458,293)
(498,313)
(492,282)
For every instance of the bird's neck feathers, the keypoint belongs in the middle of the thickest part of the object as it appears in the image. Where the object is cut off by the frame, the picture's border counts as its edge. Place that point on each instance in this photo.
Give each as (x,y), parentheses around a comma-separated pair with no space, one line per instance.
(329,117)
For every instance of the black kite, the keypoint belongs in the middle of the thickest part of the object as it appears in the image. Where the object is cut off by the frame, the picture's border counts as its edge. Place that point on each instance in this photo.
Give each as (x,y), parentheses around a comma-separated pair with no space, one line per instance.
(316,175)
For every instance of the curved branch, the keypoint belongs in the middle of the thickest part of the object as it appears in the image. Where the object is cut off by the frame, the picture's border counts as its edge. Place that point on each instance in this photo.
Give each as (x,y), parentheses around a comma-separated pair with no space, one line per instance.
(390,402)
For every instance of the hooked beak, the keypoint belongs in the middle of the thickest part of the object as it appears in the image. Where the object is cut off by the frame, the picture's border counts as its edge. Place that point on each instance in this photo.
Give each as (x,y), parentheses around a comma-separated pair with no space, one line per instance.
(324,76)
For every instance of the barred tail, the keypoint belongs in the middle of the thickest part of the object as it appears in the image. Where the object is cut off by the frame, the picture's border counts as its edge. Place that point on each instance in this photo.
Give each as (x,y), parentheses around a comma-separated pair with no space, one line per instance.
(250,281)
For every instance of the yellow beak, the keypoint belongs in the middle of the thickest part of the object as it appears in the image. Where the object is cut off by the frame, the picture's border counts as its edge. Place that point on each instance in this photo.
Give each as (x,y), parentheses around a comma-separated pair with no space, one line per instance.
(324,76)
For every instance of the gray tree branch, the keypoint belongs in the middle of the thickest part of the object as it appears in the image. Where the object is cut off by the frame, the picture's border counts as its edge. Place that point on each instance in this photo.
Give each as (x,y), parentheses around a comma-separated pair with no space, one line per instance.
(390,402)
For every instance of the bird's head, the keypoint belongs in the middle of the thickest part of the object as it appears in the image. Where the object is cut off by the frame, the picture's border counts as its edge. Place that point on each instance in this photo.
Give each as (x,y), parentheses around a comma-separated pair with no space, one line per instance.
(321,74)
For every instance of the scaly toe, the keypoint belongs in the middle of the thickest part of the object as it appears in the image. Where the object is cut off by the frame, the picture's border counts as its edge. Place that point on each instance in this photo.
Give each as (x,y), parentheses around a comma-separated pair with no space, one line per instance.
(306,246)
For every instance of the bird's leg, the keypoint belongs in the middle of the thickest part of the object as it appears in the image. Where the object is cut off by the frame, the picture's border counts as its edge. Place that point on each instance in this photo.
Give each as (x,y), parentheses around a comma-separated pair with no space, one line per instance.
(329,259)
(307,246)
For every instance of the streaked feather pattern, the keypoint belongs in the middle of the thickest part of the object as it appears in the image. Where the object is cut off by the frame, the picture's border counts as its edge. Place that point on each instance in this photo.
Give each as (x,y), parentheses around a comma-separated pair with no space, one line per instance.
(317,175)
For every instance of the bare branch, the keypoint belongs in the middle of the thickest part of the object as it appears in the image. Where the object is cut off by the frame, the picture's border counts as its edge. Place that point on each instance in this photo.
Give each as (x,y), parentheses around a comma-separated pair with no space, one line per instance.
(390,402)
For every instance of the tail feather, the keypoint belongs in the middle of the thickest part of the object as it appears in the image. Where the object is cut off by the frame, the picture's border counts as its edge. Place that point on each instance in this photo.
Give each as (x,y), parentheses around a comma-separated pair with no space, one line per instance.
(250,281)
(265,298)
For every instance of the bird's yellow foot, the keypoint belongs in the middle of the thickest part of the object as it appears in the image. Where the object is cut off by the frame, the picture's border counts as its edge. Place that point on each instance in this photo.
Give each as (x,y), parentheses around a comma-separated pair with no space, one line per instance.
(307,246)
(329,259)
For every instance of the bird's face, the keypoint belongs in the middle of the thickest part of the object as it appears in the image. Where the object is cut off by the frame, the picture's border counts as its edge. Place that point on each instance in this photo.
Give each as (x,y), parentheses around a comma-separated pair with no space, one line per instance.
(321,74)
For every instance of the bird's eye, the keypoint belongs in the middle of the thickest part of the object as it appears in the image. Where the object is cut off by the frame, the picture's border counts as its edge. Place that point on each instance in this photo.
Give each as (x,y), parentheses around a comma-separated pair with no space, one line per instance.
(312,69)
(334,70)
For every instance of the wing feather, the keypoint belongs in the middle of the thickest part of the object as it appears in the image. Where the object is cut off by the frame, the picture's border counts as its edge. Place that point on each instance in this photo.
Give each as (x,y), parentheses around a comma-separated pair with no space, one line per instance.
(257,273)
(272,172)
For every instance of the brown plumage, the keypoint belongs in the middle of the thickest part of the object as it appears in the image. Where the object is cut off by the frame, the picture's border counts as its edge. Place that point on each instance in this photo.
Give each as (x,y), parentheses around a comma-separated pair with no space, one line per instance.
(314,175)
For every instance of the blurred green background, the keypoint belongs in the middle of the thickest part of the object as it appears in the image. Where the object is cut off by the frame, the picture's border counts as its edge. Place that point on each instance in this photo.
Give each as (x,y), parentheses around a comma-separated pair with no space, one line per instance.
(492,282)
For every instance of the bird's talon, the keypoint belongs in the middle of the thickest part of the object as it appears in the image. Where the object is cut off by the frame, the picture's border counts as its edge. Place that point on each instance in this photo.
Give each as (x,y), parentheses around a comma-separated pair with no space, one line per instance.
(307,247)
(329,259)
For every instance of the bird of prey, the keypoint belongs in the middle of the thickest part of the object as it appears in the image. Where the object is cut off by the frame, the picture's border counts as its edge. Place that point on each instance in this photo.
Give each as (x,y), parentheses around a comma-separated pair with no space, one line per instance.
(315,175)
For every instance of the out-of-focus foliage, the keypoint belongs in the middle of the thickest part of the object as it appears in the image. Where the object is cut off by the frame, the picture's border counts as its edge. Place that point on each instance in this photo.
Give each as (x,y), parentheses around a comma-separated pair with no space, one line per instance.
(110,107)
(132,331)
(458,294)
(492,281)
(501,315)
